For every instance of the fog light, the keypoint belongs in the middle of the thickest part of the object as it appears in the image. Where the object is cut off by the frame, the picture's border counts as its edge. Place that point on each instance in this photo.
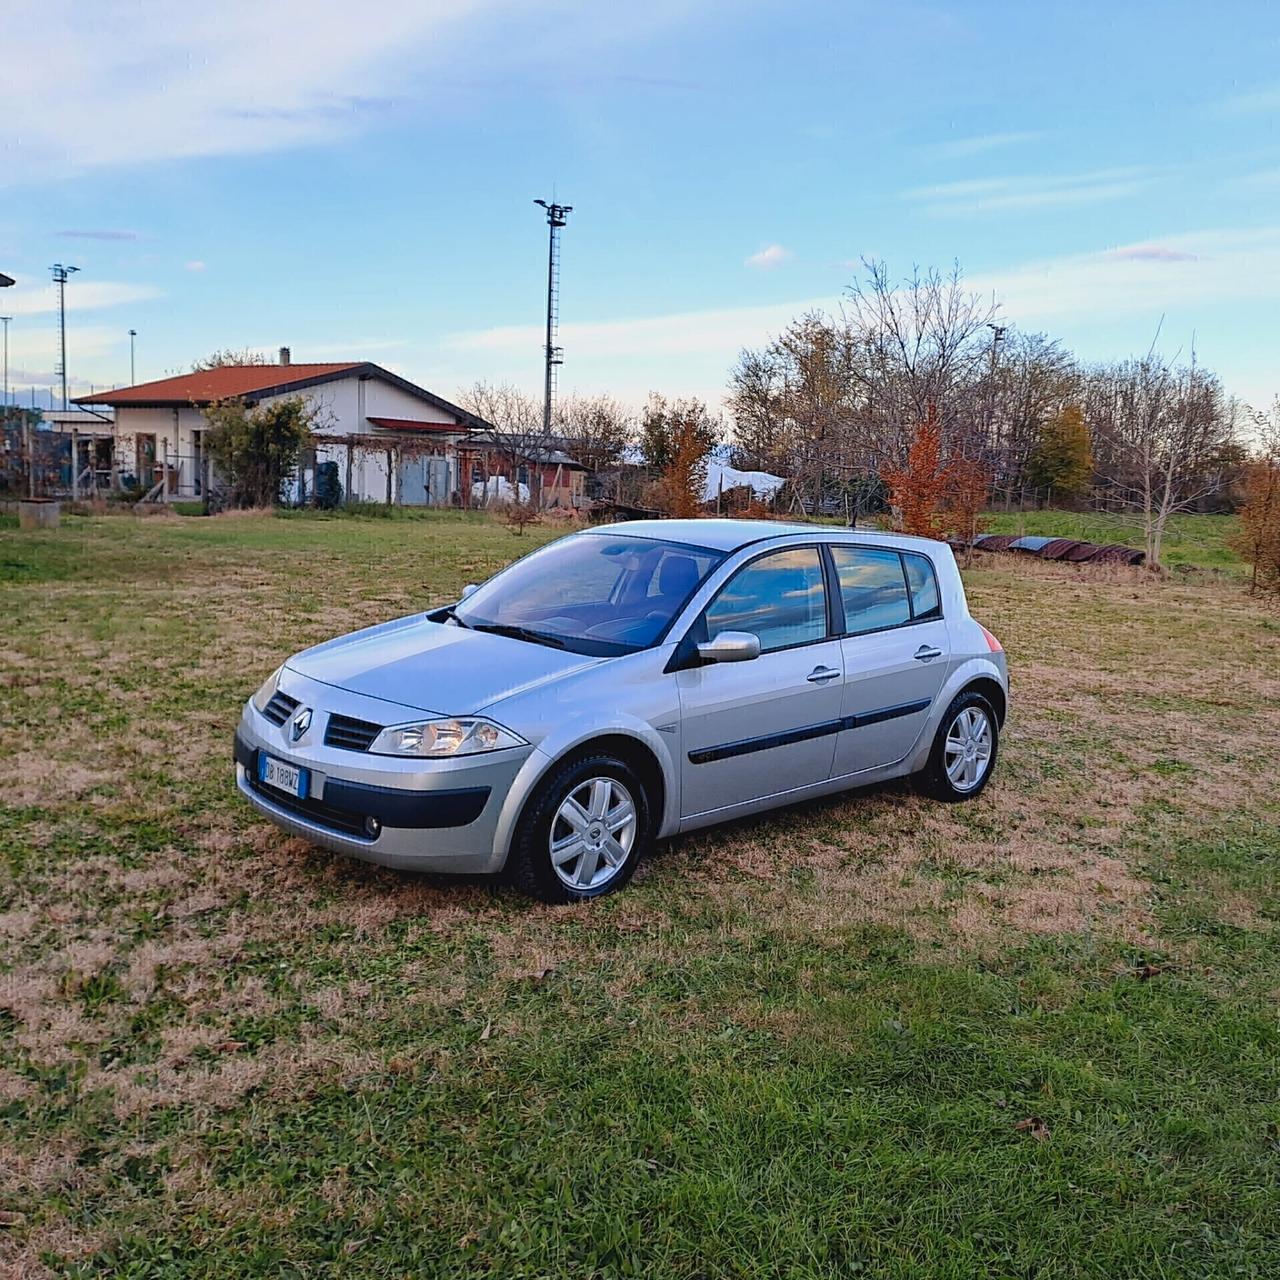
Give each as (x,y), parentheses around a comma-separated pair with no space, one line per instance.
(372,826)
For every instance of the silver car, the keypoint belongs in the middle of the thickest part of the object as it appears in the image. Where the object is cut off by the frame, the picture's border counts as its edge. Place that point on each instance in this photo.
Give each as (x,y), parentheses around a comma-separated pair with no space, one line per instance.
(624,684)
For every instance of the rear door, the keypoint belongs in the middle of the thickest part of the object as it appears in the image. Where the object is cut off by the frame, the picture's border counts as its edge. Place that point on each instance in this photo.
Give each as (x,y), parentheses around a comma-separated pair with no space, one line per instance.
(895,653)
(755,729)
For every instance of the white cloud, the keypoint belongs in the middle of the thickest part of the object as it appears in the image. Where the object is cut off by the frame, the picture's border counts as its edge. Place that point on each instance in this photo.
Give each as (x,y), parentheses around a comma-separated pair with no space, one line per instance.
(1133,285)
(1151,253)
(1196,269)
(194,265)
(684,333)
(82,295)
(140,81)
(980,144)
(987,195)
(97,234)
(148,80)
(772,255)
(1257,102)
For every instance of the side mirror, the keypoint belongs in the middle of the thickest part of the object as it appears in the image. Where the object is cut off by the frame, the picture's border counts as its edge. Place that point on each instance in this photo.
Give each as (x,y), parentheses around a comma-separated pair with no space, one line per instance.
(470,589)
(730,646)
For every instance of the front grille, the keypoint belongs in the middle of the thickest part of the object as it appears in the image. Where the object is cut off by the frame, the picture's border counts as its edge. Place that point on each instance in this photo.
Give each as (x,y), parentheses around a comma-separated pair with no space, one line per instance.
(350,733)
(341,820)
(280,708)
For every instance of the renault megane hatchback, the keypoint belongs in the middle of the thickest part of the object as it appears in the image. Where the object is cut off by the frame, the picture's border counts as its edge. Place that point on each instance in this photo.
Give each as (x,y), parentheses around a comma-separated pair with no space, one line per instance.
(624,684)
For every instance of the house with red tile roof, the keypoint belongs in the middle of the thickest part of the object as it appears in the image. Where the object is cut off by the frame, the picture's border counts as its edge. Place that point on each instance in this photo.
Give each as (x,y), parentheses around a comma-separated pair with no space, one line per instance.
(392,440)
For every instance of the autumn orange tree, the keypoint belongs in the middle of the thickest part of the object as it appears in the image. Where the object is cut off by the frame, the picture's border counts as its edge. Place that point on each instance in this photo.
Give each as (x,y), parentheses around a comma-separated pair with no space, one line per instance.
(1259,538)
(684,476)
(967,490)
(918,489)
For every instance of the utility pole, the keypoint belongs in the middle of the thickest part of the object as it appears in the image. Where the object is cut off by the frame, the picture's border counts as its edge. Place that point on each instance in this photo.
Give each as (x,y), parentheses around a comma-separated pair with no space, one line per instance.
(5,321)
(133,376)
(557,216)
(60,277)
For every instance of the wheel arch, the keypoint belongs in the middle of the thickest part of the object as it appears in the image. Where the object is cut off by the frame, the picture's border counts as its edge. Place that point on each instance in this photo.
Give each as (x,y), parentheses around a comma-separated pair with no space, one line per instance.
(631,749)
(994,694)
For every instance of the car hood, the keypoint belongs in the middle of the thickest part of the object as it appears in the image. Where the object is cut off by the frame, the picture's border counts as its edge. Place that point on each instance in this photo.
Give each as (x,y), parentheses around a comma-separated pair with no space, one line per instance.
(433,666)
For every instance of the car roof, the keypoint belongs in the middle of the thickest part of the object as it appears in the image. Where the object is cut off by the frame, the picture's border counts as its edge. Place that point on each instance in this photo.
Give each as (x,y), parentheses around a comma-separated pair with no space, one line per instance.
(732,535)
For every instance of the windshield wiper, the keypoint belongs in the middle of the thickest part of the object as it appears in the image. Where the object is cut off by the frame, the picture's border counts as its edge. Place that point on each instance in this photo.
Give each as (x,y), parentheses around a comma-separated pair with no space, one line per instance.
(518,633)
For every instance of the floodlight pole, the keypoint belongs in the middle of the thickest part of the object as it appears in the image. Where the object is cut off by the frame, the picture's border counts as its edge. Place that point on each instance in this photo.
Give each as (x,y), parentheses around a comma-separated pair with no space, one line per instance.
(60,276)
(557,216)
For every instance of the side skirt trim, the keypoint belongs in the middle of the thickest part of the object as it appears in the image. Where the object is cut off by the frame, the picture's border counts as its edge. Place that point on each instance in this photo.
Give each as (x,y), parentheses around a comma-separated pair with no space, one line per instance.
(747,746)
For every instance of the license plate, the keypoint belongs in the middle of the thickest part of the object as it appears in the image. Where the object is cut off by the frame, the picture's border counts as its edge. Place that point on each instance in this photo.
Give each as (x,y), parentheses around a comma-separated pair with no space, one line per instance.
(284,777)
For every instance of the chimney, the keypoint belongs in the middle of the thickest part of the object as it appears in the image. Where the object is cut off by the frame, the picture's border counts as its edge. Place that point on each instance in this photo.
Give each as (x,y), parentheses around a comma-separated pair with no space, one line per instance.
(284,355)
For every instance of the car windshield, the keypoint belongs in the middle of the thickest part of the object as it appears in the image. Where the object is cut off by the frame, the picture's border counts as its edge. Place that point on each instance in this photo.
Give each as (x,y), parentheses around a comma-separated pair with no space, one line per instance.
(591,593)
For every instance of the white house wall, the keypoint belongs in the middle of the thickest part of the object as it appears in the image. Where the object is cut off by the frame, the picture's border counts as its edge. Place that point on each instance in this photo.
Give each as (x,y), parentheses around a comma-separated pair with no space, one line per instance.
(343,406)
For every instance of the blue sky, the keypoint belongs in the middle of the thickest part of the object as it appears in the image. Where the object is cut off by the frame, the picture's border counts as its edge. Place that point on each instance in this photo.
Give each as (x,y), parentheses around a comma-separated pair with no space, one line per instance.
(356,181)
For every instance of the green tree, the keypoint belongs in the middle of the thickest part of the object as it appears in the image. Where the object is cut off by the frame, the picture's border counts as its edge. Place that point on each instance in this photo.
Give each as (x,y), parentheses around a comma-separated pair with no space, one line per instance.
(1061,464)
(256,450)
(661,425)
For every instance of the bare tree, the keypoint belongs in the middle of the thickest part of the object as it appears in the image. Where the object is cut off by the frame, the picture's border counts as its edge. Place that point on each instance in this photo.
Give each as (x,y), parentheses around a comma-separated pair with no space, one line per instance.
(831,401)
(230,356)
(594,430)
(1160,434)
(1031,380)
(919,342)
(518,436)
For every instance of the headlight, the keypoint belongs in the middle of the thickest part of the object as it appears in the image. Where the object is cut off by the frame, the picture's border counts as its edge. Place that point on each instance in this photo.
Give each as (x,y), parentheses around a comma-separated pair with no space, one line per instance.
(437,738)
(267,690)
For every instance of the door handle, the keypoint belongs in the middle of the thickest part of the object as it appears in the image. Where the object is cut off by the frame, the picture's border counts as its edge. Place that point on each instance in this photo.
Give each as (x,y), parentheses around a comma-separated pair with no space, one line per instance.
(926,654)
(821,674)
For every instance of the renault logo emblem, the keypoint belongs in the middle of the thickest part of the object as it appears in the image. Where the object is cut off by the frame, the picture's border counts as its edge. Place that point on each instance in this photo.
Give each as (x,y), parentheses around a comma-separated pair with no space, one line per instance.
(301,723)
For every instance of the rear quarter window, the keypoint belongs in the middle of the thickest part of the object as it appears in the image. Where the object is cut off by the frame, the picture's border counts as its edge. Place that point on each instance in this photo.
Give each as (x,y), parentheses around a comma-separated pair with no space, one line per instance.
(925,599)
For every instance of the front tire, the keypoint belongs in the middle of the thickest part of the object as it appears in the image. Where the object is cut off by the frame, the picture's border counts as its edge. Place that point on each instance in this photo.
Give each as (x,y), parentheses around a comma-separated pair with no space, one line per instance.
(964,751)
(583,834)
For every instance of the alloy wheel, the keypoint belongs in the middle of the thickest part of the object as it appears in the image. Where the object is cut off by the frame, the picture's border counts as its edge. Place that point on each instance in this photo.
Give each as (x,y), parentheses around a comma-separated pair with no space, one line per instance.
(967,752)
(592,833)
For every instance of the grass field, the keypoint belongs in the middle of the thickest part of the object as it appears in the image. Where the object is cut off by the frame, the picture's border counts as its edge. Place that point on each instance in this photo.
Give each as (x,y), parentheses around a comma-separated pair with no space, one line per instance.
(1032,1036)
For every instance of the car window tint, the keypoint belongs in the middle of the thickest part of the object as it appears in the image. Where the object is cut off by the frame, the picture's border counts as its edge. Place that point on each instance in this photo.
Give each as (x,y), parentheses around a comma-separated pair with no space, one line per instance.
(676,573)
(779,597)
(591,582)
(597,593)
(872,588)
(925,601)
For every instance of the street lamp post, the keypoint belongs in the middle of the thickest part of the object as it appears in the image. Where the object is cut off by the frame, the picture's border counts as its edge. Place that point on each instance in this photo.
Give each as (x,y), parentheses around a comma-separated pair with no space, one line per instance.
(5,321)
(133,376)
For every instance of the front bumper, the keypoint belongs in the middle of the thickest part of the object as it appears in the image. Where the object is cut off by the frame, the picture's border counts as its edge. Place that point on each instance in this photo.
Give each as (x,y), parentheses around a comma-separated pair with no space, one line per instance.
(428,815)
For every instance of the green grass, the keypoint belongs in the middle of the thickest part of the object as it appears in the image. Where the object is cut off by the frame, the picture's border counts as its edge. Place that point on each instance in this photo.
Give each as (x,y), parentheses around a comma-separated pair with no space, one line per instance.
(1033,1036)
(1190,540)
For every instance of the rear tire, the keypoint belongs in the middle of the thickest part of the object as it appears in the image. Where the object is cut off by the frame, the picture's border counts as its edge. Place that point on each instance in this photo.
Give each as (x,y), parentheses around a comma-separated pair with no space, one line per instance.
(583,833)
(964,751)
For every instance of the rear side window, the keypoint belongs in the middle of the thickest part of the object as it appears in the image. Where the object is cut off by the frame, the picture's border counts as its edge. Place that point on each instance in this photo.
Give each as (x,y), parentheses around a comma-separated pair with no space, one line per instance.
(872,587)
(925,601)
(779,597)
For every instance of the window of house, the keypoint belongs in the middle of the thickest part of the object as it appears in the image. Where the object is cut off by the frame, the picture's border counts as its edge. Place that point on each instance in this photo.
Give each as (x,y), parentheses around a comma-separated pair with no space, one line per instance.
(780,597)
(872,587)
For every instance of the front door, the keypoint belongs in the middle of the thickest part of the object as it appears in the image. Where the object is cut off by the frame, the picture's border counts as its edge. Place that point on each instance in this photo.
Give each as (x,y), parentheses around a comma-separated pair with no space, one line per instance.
(757,729)
(144,458)
(895,654)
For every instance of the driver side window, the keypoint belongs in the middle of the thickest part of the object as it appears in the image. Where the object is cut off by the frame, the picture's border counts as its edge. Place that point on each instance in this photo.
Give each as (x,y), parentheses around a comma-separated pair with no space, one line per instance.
(781,597)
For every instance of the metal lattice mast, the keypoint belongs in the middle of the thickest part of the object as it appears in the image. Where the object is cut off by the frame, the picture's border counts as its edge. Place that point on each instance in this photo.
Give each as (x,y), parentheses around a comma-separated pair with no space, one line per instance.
(60,276)
(557,216)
